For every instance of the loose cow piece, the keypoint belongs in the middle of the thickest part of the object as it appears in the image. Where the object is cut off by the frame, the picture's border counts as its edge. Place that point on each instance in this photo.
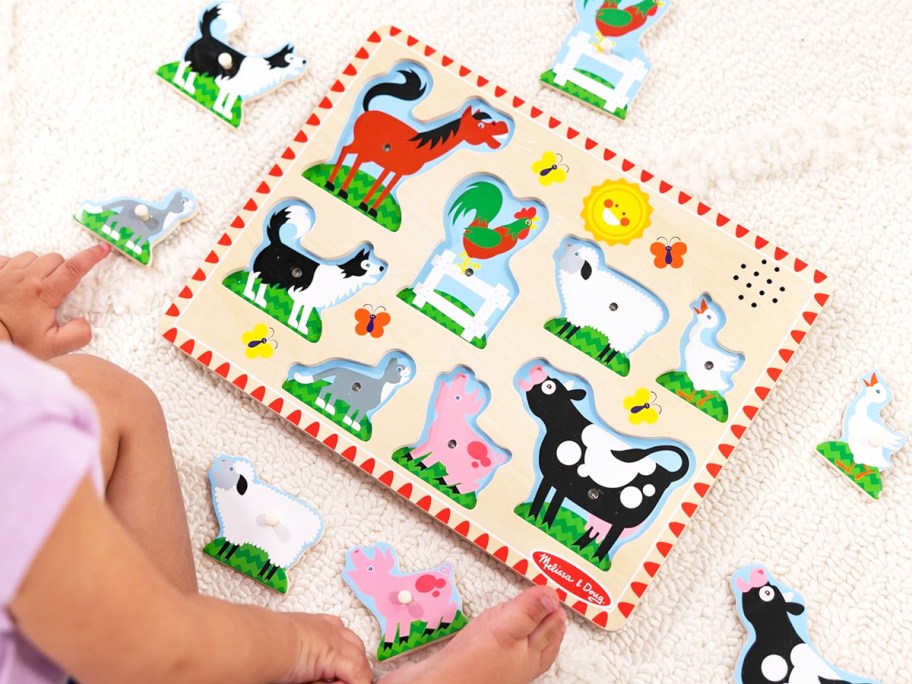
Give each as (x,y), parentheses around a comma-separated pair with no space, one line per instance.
(778,647)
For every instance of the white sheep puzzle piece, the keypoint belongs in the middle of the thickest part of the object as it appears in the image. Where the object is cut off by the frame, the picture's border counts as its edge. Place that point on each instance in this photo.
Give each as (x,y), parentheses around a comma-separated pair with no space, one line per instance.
(220,78)
(778,647)
(866,447)
(134,226)
(488,273)
(263,531)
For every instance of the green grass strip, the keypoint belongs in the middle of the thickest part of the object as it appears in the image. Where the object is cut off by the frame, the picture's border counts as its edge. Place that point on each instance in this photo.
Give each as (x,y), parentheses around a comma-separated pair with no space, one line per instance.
(248,560)
(678,383)
(207,92)
(278,304)
(417,637)
(307,393)
(840,455)
(389,214)
(580,93)
(433,475)
(591,342)
(408,296)
(95,222)
(566,529)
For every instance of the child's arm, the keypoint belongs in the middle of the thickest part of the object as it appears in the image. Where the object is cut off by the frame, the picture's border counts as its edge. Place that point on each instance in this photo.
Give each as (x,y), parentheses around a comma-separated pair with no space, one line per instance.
(92,602)
(31,289)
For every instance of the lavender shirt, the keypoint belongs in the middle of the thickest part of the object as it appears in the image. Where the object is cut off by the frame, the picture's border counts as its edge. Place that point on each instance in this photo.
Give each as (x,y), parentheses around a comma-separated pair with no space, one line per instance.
(48,444)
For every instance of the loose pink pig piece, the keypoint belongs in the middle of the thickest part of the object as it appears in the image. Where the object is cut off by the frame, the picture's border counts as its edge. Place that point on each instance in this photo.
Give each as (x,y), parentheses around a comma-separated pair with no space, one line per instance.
(398,599)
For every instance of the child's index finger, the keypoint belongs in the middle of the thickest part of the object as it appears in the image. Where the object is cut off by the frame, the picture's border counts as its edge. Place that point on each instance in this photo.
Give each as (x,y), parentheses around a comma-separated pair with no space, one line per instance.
(66,277)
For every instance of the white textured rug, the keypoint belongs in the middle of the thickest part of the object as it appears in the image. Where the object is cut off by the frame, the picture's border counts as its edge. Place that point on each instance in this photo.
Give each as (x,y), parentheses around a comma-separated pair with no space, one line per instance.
(792,117)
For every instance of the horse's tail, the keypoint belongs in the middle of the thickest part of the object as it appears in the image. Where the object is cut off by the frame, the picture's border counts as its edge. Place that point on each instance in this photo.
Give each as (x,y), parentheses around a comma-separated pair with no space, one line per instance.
(411,89)
(219,20)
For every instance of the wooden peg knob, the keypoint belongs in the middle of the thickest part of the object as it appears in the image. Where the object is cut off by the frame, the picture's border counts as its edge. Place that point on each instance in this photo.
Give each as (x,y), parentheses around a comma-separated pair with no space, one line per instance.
(142,212)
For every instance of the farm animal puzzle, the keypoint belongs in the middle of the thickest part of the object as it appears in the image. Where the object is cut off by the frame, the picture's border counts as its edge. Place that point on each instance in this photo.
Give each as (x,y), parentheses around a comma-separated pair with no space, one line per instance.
(263,531)
(433,374)
(413,609)
(133,226)
(865,449)
(778,647)
(219,77)
(601,62)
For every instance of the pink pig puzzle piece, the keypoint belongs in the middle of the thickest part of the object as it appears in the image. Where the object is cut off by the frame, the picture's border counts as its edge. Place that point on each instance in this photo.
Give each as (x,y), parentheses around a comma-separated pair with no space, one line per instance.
(452,438)
(413,609)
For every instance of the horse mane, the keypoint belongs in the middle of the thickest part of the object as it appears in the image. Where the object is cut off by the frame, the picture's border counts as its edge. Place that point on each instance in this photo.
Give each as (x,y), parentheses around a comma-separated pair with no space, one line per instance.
(442,133)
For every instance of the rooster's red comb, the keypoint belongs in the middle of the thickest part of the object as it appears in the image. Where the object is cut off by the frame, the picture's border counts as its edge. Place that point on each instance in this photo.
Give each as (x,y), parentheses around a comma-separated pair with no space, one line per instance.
(528,212)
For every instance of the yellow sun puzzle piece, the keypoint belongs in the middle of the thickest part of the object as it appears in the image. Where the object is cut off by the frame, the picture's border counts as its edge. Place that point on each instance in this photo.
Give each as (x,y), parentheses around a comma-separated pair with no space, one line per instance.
(616,212)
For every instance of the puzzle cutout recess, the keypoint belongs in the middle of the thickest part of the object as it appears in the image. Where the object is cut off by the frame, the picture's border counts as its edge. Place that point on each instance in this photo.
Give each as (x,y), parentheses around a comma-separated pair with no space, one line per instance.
(470,306)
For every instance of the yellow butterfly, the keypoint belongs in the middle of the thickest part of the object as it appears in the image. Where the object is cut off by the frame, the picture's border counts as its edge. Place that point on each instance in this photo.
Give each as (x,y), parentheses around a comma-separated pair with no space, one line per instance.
(550,168)
(259,341)
(642,407)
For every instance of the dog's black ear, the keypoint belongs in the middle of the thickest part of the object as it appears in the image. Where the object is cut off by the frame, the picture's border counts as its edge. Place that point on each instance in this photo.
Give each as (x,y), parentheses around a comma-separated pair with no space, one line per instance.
(586,270)
(241,485)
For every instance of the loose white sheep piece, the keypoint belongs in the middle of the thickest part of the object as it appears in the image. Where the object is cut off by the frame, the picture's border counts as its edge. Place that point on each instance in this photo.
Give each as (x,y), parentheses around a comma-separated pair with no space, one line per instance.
(595,295)
(249,511)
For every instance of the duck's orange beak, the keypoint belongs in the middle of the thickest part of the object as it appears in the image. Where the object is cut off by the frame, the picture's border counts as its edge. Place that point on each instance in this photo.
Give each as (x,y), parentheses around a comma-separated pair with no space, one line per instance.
(700,309)
(872,381)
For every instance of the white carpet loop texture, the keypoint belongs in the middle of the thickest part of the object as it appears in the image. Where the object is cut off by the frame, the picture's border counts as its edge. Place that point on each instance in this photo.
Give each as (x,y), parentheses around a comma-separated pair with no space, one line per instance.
(791,118)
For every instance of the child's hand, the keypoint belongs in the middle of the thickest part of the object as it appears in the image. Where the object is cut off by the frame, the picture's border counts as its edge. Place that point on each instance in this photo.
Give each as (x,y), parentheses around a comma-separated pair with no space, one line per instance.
(327,651)
(31,289)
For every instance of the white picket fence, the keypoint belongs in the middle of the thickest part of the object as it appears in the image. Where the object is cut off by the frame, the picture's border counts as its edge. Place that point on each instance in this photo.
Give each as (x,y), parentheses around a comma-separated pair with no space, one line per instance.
(496,297)
(632,71)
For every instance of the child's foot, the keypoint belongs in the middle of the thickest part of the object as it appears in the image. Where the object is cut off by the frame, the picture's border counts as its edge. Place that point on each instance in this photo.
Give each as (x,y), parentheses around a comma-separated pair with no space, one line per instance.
(512,643)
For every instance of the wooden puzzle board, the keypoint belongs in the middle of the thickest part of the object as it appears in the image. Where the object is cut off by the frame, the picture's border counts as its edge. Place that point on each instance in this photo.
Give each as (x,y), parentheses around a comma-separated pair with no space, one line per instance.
(206,320)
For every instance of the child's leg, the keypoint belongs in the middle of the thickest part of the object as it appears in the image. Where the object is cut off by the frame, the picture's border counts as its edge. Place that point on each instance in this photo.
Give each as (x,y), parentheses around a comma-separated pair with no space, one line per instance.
(141,482)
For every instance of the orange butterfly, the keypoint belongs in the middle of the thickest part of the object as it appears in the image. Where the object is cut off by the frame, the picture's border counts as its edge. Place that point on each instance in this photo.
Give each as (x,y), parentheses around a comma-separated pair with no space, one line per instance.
(371,321)
(669,254)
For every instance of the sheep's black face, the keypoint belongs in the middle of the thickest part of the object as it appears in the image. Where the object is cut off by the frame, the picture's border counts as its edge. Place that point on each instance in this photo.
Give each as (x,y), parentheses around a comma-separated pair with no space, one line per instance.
(766,604)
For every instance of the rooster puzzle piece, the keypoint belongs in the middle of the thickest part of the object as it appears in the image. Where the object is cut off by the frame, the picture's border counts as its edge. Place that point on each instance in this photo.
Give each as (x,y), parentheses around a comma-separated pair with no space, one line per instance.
(133,226)
(601,62)
(263,531)
(219,77)
(413,609)
(866,446)
(453,455)
(706,369)
(387,144)
(467,286)
(778,647)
